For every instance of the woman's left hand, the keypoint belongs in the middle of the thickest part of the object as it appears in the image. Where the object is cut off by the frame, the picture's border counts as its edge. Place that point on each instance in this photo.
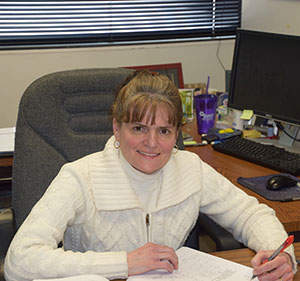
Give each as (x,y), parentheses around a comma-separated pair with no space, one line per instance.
(280,268)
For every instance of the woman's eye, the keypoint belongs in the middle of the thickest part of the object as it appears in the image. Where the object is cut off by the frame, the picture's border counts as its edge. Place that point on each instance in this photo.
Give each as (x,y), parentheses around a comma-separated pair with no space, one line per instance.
(164,131)
(138,128)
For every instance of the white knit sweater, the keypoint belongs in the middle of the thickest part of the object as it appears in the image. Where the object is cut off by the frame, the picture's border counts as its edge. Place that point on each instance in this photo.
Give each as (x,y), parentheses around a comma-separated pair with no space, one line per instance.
(92,207)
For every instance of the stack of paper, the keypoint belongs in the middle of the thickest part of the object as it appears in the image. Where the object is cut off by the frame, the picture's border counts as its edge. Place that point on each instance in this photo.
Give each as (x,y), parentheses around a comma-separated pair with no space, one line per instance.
(7,140)
(198,266)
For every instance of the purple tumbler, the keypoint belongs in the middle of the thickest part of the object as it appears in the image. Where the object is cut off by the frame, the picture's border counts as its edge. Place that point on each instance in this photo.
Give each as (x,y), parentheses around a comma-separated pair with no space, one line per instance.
(206,105)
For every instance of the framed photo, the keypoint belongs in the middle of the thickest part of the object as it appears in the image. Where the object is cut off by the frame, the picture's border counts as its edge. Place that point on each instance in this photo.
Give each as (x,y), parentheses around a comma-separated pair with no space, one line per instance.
(172,70)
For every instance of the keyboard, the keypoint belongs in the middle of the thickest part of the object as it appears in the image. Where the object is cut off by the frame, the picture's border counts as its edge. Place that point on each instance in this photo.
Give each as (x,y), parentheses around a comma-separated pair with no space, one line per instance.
(266,155)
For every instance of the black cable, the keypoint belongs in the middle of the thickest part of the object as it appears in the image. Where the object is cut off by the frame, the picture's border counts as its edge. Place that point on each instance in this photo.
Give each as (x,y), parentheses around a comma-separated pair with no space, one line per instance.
(279,125)
(217,55)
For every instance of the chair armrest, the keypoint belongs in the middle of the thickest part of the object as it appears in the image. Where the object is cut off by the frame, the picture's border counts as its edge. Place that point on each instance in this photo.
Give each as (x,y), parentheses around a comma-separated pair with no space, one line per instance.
(223,239)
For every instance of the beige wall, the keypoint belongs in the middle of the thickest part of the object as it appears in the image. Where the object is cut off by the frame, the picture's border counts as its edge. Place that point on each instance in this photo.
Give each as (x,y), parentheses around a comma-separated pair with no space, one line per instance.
(19,68)
(280,16)
(199,59)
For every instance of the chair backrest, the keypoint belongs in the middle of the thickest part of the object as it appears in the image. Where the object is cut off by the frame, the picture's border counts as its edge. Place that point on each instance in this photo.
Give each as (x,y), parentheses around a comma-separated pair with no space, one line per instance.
(62,117)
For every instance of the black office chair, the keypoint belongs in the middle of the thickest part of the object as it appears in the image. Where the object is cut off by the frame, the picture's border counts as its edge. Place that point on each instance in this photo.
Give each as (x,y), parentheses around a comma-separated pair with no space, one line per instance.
(62,117)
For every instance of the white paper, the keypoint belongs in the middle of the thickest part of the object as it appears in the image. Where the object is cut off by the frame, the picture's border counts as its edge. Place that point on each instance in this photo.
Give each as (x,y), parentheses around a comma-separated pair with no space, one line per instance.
(77,278)
(198,266)
(7,139)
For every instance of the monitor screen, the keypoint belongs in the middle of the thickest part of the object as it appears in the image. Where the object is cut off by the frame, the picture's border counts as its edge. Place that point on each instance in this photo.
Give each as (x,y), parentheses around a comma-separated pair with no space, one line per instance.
(265,75)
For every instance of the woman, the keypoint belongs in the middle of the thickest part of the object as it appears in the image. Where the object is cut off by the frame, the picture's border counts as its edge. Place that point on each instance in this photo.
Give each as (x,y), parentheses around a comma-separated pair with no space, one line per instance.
(125,210)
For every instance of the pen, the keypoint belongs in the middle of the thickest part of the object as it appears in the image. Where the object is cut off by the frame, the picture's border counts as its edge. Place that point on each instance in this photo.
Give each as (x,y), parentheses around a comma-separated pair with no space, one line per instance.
(281,248)
(194,143)
(207,84)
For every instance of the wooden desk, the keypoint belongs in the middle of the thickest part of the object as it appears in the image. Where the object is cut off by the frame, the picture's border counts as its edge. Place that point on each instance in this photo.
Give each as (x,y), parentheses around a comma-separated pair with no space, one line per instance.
(244,256)
(6,161)
(5,181)
(232,168)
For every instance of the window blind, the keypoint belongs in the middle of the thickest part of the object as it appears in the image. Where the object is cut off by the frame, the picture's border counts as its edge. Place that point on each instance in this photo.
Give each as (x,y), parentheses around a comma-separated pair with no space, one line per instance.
(40,23)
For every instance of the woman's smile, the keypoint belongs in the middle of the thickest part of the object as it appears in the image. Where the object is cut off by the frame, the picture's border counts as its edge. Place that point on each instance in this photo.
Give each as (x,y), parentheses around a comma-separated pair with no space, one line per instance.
(148,154)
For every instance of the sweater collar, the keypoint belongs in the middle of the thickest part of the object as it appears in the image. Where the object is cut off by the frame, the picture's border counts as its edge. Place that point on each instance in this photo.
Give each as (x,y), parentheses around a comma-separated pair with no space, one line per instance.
(112,189)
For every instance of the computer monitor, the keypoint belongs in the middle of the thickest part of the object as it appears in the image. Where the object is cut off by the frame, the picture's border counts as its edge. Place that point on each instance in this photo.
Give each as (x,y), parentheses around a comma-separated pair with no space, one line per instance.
(265,75)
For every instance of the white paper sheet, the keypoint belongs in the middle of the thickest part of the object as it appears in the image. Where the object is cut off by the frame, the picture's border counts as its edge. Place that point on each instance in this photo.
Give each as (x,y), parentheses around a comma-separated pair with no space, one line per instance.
(77,278)
(198,266)
(7,139)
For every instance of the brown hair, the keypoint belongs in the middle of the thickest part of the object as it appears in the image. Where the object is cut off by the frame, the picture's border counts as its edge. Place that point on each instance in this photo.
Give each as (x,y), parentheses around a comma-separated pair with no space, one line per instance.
(145,90)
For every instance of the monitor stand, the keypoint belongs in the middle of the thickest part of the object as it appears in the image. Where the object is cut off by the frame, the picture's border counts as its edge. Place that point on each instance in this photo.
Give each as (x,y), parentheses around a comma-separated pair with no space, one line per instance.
(292,131)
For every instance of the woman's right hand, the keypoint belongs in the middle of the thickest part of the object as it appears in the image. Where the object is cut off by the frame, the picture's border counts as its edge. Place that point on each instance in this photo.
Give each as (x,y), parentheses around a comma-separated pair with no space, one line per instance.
(150,257)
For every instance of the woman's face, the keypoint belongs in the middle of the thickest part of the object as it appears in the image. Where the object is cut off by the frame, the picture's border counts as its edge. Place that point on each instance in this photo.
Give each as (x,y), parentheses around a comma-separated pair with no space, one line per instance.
(147,147)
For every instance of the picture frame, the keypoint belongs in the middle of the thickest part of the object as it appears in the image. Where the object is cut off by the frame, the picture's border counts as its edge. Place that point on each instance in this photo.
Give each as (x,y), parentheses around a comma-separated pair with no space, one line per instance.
(172,70)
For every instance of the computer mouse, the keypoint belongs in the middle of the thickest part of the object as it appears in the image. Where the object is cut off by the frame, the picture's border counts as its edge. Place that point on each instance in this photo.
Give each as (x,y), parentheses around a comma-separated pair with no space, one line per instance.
(278,182)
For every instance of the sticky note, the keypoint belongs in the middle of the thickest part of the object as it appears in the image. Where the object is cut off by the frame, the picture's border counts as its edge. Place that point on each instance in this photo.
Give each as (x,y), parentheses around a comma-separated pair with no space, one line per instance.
(189,142)
(251,134)
(225,131)
(247,114)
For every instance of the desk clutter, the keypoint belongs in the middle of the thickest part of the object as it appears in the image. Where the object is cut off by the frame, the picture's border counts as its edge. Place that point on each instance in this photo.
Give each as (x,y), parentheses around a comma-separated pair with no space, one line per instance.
(216,135)
(229,131)
(258,185)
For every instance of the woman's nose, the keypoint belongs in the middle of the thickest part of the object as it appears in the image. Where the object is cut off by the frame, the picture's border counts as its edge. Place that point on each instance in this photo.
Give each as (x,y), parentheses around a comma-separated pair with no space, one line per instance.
(151,139)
